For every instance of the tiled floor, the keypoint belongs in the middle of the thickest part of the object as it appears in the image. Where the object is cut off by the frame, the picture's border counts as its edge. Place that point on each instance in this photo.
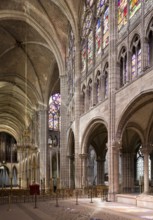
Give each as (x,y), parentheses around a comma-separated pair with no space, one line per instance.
(68,210)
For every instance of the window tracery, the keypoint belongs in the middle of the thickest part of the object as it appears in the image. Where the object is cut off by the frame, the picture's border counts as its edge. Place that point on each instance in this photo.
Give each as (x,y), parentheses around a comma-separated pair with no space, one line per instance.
(106,81)
(136,58)
(123,68)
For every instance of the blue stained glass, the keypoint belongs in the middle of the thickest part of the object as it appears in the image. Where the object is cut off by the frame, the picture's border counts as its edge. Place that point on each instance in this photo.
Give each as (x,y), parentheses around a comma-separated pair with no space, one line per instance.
(98,37)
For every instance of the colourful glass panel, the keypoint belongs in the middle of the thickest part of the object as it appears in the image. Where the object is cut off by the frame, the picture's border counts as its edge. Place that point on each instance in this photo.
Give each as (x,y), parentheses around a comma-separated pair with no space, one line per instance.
(139,61)
(133,66)
(122,13)
(98,89)
(87,25)
(90,48)
(54,111)
(83,57)
(134,6)
(105,30)
(98,37)
(90,2)
(106,85)
(100,5)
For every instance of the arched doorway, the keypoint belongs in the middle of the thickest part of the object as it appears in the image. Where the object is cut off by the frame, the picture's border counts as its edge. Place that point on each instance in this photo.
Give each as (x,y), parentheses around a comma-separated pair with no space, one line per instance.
(94,158)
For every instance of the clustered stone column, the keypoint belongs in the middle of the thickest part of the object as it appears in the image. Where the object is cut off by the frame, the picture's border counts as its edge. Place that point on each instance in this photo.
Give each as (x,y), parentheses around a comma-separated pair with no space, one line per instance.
(146,151)
(71,171)
(84,182)
(113,179)
(43,137)
(64,162)
(100,171)
(127,172)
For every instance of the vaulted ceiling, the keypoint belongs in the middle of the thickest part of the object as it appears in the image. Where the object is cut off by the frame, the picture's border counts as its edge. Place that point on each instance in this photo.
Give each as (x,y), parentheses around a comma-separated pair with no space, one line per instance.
(33,40)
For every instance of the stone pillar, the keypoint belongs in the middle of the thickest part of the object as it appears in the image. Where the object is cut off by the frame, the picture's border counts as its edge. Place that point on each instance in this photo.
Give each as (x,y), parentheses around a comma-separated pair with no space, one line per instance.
(151,158)
(102,88)
(127,172)
(84,181)
(116,168)
(20,166)
(77,98)
(129,57)
(94,93)
(86,99)
(144,43)
(71,171)
(100,171)
(112,172)
(43,142)
(146,169)
(64,163)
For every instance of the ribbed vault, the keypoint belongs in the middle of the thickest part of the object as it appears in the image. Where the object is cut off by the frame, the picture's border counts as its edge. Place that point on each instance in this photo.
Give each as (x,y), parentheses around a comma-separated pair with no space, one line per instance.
(33,40)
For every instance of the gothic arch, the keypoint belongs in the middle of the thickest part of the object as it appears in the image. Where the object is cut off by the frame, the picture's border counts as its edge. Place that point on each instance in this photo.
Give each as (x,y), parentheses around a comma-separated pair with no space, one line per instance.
(135,105)
(90,128)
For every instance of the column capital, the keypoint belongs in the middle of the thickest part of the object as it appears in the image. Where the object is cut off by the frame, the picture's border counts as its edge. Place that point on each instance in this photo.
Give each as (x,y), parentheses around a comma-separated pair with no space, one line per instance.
(83,156)
(117,145)
(146,150)
(70,157)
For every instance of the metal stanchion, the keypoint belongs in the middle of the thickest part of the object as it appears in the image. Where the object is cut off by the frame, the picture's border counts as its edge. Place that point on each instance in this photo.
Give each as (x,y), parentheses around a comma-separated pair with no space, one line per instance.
(35,201)
(91,196)
(63,193)
(9,202)
(101,194)
(76,197)
(57,205)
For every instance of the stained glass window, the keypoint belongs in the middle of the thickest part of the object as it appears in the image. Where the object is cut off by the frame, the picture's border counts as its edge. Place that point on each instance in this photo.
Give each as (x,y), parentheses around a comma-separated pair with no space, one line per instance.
(87,24)
(134,6)
(83,57)
(87,36)
(105,80)
(122,13)
(54,112)
(100,5)
(98,87)
(140,166)
(90,92)
(123,68)
(90,48)
(98,37)
(97,90)
(139,61)
(105,30)
(90,2)
(71,61)
(133,65)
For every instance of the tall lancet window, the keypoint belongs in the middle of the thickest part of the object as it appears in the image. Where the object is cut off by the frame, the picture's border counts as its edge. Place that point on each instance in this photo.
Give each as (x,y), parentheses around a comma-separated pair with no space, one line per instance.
(122,13)
(54,112)
(87,35)
(71,62)
(123,68)
(106,27)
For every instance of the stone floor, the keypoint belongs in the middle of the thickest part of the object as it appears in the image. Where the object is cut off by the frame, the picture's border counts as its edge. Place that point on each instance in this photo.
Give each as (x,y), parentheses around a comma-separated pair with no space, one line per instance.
(70,210)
